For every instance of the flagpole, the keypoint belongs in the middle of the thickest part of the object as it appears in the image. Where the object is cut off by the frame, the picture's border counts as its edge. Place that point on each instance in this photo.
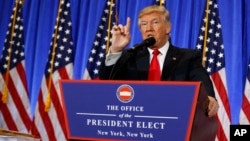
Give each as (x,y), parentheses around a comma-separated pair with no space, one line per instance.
(109,24)
(5,90)
(48,99)
(205,35)
(161,2)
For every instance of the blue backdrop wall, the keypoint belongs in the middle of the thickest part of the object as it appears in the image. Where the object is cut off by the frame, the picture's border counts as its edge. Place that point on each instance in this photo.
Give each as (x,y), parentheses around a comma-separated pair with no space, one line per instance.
(186,15)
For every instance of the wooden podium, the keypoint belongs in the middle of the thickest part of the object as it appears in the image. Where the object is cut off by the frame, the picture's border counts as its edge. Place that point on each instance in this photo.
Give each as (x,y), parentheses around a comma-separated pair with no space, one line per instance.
(204,128)
(151,111)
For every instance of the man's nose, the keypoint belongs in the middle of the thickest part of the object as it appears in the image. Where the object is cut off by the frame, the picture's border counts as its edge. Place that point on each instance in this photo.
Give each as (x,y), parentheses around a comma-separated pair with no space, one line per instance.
(149,27)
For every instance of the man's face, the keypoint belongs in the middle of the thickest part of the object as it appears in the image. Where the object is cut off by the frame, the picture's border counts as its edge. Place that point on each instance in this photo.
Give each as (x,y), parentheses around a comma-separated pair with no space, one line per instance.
(153,24)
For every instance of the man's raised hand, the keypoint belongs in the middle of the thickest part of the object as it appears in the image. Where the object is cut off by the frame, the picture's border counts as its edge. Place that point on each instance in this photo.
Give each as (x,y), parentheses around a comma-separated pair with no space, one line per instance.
(120,37)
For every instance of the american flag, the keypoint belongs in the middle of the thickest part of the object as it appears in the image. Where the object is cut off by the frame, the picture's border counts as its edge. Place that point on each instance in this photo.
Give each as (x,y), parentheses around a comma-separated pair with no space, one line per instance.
(14,102)
(245,109)
(49,120)
(102,41)
(210,41)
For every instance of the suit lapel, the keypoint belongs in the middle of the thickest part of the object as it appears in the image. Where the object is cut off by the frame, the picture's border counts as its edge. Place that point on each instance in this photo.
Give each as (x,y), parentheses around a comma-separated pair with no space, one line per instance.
(142,63)
(172,58)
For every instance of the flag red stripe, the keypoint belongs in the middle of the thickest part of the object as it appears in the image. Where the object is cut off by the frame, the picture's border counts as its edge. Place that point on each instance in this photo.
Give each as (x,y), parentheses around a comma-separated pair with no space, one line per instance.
(246,107)
(221,92)
(34,130)
(7,116)
(63,73)
(22,75)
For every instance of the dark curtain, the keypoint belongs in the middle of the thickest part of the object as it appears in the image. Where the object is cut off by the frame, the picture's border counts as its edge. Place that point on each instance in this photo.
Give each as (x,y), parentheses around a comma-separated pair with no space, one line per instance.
(186,15)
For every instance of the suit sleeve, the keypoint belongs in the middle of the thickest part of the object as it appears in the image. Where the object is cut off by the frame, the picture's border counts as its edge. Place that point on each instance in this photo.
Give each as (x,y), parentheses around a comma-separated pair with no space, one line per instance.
(116,71)
(199,73)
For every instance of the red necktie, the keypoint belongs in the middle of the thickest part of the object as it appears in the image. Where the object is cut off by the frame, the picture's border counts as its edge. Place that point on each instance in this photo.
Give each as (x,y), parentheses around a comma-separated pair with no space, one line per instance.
(154,68)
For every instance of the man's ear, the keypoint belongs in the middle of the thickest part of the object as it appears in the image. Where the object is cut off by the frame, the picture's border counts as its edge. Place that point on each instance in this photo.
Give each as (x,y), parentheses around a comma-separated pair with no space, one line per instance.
(168,29)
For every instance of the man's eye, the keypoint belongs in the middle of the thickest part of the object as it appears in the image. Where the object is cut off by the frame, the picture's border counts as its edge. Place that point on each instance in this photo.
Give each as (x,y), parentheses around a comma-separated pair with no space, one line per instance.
(155,22)
(143,24)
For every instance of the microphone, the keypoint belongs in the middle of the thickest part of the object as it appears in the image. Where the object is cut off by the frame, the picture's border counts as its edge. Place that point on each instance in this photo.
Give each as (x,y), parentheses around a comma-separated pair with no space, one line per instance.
(146,43)
(130,54)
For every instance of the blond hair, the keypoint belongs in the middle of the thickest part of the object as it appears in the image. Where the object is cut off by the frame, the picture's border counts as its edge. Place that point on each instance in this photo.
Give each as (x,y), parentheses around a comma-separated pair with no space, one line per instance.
(155,8)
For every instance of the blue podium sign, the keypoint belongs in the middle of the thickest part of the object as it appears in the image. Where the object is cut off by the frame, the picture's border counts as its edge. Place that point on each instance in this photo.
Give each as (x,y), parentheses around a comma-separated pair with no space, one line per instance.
(129,110)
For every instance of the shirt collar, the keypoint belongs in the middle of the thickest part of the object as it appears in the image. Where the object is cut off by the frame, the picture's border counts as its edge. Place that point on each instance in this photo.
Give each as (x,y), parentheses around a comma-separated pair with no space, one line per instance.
(163,49)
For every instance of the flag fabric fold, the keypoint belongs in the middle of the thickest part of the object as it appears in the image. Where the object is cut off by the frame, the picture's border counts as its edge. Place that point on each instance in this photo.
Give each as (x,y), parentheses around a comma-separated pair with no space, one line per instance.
(101,42)
(210,42)
(49,120)
(245,109)
(14,102)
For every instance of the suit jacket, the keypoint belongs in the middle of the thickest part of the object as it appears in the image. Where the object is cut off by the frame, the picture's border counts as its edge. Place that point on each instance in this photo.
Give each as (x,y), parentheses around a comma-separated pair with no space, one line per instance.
(180,65)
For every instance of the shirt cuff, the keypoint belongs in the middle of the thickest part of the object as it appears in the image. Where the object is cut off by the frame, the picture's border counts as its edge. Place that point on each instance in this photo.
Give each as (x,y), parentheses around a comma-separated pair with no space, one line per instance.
(111,58)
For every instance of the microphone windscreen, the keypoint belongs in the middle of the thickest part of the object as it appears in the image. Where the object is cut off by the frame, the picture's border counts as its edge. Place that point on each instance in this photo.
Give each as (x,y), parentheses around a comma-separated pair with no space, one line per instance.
(149,41)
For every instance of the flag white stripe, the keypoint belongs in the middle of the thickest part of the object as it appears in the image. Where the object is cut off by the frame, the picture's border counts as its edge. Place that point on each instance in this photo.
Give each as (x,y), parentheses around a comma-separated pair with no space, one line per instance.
(86,75)
(243,118)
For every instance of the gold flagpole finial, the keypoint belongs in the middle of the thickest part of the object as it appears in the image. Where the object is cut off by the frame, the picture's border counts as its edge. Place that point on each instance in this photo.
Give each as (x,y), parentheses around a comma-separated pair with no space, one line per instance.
(47,103)
(23,2)
(5,94)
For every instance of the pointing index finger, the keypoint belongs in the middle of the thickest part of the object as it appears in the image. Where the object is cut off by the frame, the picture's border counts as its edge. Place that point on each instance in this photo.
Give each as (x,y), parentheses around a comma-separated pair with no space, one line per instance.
(127,25)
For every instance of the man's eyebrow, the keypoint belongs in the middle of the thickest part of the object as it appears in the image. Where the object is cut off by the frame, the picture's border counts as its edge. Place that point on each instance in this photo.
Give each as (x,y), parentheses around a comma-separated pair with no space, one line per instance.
(155,19)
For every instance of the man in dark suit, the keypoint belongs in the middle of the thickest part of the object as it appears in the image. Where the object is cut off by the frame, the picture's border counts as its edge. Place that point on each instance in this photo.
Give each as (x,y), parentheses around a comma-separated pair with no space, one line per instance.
(175,64)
